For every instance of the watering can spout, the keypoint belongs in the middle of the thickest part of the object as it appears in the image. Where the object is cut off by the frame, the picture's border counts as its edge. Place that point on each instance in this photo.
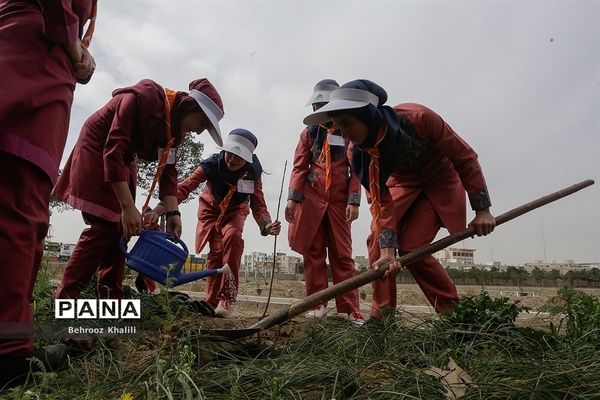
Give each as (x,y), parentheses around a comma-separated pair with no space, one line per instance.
(161,257)
(225,270)
(193,276)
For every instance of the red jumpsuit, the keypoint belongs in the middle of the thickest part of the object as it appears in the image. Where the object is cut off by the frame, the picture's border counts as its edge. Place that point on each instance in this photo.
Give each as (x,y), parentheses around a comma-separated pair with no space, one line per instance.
(426,192)
(130,125)
(225,241)
(321,224)
(36,93)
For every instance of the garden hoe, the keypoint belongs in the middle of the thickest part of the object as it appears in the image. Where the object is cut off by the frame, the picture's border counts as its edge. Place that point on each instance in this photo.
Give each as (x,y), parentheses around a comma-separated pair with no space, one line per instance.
(301,306)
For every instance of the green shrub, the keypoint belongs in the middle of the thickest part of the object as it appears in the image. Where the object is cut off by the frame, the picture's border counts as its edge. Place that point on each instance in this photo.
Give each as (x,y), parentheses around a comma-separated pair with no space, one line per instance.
(484,312)
(580,314)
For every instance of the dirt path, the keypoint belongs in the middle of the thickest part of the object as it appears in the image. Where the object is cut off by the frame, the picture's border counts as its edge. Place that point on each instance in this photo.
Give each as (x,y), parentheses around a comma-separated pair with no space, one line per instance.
(406,294)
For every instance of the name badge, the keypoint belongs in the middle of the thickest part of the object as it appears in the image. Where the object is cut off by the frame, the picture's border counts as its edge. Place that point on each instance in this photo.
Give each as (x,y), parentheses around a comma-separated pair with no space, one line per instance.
(171,158)
(335,140)
(245,186)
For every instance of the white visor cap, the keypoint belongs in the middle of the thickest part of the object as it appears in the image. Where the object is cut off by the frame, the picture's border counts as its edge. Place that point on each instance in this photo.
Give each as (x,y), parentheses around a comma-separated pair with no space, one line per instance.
(240,146)
(212,112)
(322,93)
(342,99)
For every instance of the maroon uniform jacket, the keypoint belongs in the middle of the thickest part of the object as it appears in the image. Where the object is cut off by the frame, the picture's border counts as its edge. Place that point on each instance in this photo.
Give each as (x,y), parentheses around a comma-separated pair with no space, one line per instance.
(307,186)
(36,97)
(426,157)
(130,125)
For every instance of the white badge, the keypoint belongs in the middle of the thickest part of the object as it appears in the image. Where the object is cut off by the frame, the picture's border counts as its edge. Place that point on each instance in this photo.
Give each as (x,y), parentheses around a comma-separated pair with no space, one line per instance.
(171,158)
(245,186)
(335,140)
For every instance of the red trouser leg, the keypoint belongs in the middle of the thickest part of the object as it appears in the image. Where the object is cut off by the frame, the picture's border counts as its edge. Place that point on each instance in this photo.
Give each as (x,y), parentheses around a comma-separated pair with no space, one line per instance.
(214,260)
(384,291)
(419,229)
(339,246)
(315,269)
(110,274)
(233,248)
(95,242)
(24,216)
(37,260)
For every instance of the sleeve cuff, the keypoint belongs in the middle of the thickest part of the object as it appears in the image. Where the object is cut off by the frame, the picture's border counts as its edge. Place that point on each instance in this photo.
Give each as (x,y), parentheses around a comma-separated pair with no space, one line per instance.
(296,196)
(354,199)
(387,239)
(263,226)
(480,201)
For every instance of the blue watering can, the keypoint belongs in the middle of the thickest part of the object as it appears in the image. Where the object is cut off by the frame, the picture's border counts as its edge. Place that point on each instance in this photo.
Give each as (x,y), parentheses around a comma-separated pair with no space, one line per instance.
(157,255)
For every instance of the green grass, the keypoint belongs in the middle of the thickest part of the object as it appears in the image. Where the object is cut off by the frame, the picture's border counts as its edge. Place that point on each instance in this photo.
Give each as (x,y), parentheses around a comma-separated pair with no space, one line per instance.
(333,360)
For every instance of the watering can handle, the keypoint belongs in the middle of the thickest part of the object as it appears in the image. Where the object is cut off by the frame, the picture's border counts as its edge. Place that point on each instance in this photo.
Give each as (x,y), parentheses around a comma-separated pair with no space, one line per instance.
(177,240)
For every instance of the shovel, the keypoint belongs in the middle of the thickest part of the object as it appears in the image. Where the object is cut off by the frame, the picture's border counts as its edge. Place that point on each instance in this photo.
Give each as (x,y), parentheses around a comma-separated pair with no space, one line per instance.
(331,292)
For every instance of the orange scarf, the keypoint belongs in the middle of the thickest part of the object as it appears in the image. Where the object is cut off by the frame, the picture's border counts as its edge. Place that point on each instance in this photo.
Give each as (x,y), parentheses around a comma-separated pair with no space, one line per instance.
(225,204)
(226,200)
(87,37)
(326,156)
(374,189)
(169,101)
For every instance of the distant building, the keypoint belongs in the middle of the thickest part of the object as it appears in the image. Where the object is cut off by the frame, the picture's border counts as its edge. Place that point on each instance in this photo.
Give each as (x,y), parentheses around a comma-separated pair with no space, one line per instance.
(456,257)
(562,267)
(257,263)
(251,262)
(287,264)
(66,249)
(51,251)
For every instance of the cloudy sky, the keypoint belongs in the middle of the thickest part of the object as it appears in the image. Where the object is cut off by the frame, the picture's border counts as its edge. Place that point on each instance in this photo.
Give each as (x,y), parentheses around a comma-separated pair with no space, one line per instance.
(518,80)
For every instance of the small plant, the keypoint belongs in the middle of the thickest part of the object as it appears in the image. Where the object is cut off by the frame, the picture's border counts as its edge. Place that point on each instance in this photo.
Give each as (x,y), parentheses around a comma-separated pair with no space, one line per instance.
(580,312)
(174,378)
(483,311)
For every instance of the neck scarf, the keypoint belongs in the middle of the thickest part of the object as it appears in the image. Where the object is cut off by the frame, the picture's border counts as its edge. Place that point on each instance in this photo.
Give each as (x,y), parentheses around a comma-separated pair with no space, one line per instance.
(374,189)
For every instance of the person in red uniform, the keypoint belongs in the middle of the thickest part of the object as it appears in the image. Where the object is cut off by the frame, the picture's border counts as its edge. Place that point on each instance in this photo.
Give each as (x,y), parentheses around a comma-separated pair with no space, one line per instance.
(41,59)
(323,200)
(416,169)
(233,186)
(100,175)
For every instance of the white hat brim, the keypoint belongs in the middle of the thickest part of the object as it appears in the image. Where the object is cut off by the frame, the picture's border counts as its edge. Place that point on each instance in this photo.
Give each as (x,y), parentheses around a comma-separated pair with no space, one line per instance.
(240,146)
(319,96)
(238,150)
(320,116)
(210,109)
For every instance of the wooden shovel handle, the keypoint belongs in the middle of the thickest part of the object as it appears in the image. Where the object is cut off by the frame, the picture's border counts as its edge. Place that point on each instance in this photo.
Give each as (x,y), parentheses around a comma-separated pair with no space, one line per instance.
(314,299)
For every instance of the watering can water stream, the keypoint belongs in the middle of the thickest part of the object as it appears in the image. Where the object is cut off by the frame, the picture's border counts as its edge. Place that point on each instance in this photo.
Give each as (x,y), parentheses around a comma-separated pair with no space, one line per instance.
(161,256)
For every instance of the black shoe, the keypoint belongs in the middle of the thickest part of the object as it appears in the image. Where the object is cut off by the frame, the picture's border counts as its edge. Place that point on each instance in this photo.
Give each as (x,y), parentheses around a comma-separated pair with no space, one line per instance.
(374,323)
(54,357)
(140,284)
(202,307)
(14,370)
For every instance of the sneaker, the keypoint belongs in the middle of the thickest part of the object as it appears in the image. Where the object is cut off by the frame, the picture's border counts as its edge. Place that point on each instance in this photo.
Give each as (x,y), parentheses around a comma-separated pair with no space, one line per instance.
(317,312)
(356,318)
(223,309)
